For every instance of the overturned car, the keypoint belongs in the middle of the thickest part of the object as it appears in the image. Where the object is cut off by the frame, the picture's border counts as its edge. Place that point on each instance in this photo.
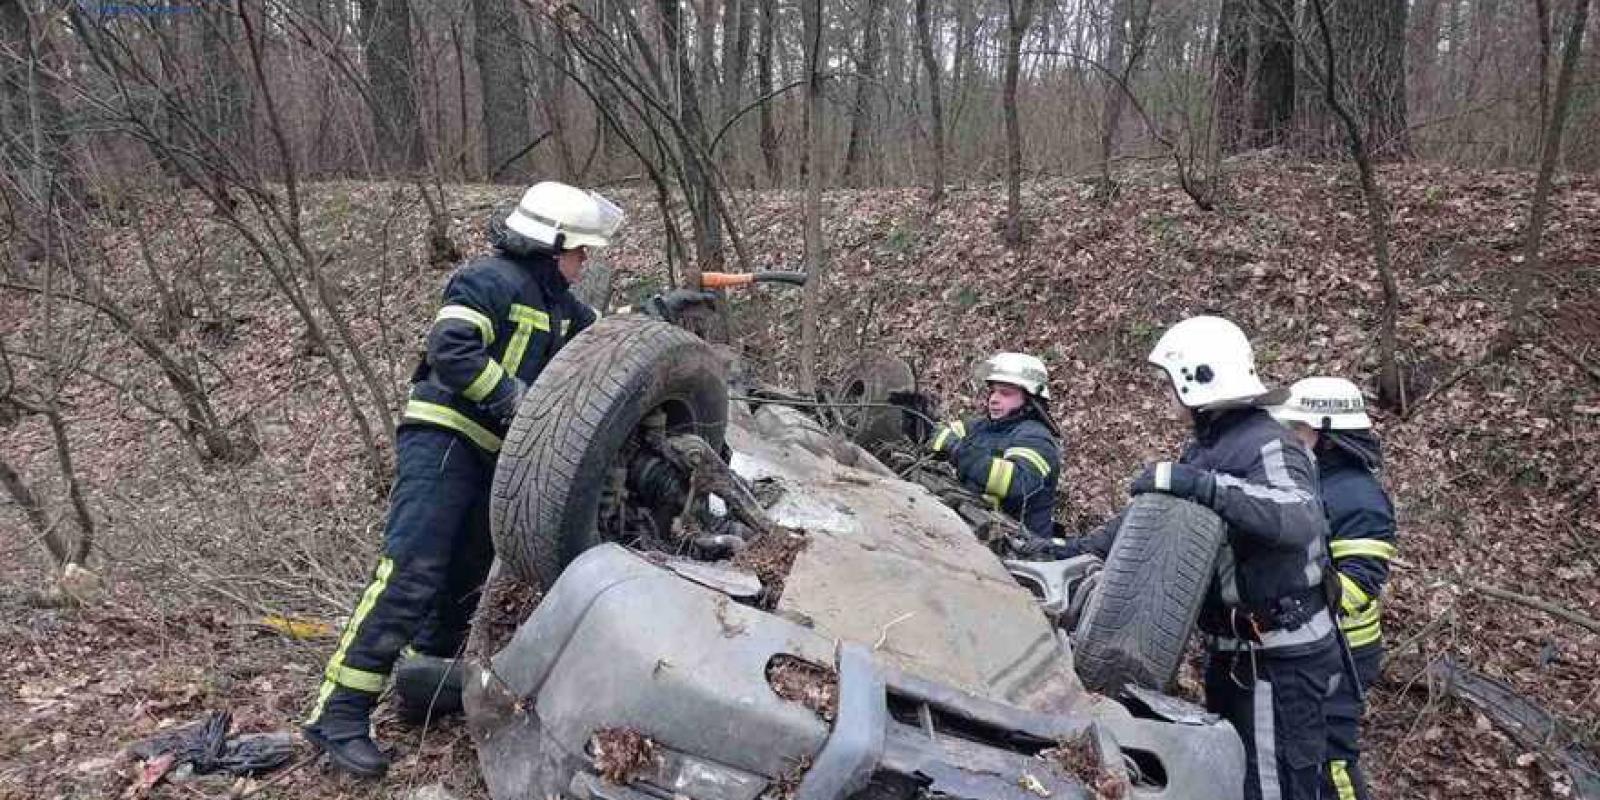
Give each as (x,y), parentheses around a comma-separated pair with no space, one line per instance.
(702,594)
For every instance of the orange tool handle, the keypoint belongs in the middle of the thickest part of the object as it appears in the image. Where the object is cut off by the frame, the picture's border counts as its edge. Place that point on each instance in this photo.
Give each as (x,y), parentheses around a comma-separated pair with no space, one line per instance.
(723,280)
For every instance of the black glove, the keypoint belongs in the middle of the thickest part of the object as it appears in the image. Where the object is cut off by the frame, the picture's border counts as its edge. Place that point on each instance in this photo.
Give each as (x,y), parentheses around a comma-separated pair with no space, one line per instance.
(952,451)
(1032,547)
(1178,480)
(1040,548)
(972,463)
(506,407)
(669,307)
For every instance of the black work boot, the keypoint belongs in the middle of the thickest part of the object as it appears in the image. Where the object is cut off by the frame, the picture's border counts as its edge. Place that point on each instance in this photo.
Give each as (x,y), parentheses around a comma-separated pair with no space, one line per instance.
(343,732)
(428,687)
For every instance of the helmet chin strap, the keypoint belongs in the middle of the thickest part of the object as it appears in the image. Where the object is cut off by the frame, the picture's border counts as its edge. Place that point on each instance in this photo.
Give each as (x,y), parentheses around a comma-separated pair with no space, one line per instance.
(1041,409)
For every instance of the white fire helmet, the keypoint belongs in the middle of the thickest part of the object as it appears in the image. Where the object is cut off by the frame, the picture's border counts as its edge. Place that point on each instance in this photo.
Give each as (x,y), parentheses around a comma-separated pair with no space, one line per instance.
(1324,403)
(1018,369)
(1210,363)
(565,217)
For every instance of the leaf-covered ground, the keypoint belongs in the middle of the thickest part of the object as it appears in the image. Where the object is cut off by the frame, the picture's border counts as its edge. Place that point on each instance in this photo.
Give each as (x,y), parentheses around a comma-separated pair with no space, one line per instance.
(1489,475)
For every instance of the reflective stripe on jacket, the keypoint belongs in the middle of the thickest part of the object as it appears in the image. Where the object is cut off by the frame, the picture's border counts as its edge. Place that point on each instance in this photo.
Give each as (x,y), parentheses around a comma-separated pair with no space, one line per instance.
(1361,540)
(502,317)
(1015,462)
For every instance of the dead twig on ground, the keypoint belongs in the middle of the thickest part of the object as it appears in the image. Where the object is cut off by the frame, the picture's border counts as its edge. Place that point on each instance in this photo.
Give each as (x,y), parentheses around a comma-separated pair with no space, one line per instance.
(1576,358)
(1433,626)
(278,778)
(1540,604)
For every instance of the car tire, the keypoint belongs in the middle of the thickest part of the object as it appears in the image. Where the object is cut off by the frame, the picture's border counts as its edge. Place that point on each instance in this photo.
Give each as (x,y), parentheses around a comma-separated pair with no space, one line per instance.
(1139,618)
(875,379)
(578,414)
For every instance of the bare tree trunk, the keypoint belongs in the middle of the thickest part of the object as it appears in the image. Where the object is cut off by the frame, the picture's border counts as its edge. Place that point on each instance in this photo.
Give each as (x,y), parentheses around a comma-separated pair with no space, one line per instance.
(1551,153)
(930,65)
(507,130)
(861,115)
(705,105)
(1272,101)
(769,134)
(1423,44)
(550,76)
(705,60)
(737,16)
(1019,16)
(80,507)
(735,22)
(223,101)
(386,36)
(707,225)
(1130,30)
(815,261)
(60,549)
(1255,84)
(963,68)
(1369,35)
(1391,392)
(1232,91)
(1541,13)
(34,152)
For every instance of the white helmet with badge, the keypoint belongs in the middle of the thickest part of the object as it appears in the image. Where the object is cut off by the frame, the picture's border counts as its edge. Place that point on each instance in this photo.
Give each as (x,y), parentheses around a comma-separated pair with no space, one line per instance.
(1326,404)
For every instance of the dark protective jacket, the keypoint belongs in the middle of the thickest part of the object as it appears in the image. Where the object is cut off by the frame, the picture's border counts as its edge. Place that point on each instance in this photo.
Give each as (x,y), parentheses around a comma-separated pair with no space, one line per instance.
(1014,461)
(504,316)
(1361,529)
(1271,565)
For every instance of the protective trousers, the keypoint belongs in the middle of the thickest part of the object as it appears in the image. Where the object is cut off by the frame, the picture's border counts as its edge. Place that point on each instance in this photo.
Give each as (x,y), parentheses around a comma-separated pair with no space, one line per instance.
(1278,704)
(436,554)
(1344,779)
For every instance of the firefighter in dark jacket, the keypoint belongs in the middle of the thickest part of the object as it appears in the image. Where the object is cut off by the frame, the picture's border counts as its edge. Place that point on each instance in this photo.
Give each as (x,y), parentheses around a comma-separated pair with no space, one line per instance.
(1330,416)
(504,316)
(1012,453)
(1273,655)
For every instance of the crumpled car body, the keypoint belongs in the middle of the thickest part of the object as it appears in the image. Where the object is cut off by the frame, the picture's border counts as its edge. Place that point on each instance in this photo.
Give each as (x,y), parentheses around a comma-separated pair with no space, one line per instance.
(949,680)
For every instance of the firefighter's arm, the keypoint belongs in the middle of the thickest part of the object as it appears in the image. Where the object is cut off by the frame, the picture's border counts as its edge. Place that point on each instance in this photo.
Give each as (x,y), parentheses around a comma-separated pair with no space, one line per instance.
(947,436)
(462,333)
(1362,546)
(1275,503)
(1014,473)
(1096,543)
(583,315)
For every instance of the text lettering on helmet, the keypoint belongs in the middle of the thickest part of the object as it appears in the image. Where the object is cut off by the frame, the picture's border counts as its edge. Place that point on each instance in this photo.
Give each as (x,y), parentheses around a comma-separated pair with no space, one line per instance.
(1333,405)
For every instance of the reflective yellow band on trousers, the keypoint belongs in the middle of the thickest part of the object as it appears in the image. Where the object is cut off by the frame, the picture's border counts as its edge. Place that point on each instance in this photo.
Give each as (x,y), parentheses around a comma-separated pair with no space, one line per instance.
(1342,785)
(337,674)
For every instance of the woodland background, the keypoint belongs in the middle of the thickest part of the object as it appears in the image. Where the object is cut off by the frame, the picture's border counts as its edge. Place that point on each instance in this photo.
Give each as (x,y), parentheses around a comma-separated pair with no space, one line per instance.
(224,226)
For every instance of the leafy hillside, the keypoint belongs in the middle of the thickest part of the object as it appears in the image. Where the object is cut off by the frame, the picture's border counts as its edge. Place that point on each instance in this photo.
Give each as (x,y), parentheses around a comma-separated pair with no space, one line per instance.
(1493,474)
